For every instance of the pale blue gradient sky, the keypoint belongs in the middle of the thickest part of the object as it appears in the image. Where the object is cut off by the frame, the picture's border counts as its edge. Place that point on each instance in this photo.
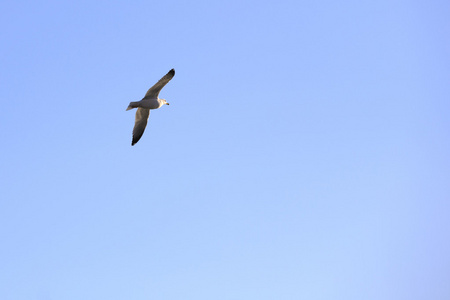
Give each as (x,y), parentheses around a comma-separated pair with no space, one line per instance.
(305,153)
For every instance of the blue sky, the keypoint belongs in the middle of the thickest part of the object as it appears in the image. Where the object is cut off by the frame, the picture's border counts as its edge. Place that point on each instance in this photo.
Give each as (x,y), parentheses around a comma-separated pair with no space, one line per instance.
(305,153)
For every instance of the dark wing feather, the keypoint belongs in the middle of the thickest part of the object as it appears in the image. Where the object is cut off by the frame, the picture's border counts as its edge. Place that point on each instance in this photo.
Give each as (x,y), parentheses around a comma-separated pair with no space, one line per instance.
(153,92)
(140,123)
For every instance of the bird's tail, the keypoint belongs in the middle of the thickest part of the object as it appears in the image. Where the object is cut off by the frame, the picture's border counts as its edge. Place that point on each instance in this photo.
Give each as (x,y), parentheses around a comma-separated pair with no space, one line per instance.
(131,105)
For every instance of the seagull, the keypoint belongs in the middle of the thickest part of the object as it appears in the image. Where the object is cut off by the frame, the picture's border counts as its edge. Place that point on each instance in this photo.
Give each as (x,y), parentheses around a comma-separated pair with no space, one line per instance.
(150,101)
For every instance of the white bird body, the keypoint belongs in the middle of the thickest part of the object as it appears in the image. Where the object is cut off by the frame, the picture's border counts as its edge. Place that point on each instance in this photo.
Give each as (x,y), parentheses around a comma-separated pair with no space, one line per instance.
(147,103)
(150,101)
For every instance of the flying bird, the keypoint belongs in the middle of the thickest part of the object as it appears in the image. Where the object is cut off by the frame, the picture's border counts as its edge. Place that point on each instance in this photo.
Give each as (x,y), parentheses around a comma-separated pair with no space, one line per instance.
(150,101)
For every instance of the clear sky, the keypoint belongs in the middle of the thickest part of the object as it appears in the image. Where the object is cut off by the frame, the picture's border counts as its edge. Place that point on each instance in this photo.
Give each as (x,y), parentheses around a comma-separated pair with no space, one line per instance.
(305,153)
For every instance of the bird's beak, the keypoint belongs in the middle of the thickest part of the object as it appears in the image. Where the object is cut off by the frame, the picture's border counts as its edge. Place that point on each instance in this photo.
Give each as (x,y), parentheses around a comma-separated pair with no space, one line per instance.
(167,103)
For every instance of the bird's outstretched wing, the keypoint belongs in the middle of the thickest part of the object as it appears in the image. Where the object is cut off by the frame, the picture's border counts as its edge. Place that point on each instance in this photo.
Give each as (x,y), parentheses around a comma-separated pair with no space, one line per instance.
(140,123)
(153,92)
